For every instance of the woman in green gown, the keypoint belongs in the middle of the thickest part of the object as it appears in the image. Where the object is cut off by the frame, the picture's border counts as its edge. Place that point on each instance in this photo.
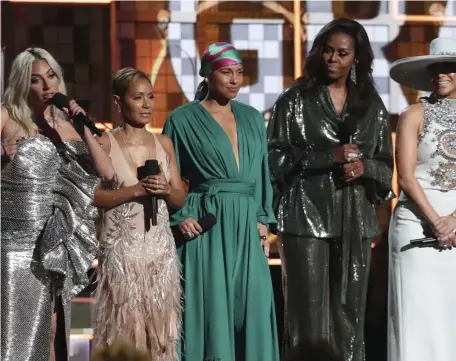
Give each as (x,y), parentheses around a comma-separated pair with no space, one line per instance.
(221,150)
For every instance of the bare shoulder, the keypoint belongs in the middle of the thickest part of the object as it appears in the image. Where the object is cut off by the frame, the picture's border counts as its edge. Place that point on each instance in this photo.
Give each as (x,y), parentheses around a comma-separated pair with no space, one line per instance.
(166,143)
(9,127)
(105,142)
(411,118)
(4,117)
(413,112)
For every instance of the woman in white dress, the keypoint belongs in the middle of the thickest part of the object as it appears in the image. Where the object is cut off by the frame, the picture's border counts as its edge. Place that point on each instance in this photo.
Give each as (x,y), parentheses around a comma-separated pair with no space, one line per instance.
(422,288)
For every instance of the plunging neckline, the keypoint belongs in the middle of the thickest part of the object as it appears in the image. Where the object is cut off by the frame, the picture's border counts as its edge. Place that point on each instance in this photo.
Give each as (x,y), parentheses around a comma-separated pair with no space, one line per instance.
(126,161)
(342,114)
(238,165)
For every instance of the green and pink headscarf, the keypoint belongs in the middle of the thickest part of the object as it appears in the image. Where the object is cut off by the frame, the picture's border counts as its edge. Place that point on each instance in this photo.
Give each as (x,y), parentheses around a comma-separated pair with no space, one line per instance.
(217,56)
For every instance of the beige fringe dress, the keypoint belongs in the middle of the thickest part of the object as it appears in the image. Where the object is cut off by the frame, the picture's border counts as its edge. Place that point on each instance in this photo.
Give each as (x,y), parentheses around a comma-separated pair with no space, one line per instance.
(138,290)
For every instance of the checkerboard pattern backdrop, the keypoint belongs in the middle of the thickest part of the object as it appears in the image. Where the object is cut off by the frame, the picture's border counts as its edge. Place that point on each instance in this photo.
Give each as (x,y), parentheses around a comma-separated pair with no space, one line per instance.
(77,36)
(259,43)
(164,39)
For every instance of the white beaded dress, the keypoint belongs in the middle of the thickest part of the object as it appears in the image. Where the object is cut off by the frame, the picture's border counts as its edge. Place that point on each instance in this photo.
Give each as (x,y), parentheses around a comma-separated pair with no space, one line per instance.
(422,286)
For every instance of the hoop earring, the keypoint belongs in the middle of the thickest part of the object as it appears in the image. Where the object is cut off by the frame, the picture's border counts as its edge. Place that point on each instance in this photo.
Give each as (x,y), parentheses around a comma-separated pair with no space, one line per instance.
(353,74)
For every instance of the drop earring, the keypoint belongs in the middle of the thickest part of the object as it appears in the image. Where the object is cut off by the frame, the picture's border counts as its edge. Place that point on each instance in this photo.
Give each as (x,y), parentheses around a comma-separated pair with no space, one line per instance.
(353,74)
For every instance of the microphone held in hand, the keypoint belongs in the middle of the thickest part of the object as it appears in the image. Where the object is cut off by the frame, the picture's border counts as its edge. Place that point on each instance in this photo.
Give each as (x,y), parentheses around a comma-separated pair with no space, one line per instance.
(151,167)
(423,241)
(61,101)
(206,222)
(349,128)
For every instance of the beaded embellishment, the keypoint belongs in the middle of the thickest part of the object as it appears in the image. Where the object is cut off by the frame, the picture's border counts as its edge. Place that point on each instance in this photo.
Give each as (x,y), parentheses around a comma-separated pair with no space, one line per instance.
(443,112)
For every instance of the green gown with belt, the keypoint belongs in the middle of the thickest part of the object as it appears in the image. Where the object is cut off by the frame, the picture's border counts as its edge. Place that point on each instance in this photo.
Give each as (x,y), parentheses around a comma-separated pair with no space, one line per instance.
(229,310)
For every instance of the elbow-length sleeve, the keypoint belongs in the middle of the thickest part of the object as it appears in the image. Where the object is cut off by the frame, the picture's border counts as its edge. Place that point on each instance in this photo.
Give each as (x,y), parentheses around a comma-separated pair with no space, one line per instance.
(263,190)
(284,157)
(378,169)
(187,211)
(68,241)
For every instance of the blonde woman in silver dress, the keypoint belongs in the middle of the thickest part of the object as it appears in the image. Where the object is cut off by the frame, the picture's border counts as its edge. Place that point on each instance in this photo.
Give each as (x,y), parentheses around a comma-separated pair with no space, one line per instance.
(138,291)
(49,176)
(422,291)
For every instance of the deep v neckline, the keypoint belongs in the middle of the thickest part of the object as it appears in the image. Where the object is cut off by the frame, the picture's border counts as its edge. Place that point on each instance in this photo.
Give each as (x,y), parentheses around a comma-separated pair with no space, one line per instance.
(342,114)
(238,165)
(128,163)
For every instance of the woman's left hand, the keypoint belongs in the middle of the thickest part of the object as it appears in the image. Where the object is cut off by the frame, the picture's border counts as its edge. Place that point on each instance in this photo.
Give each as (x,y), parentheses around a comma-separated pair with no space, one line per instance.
(263,232)
(353,170)
(157,184)
(444,225)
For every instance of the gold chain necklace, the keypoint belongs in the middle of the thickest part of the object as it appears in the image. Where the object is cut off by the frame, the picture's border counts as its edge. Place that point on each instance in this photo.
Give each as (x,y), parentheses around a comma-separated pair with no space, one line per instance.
(129,154)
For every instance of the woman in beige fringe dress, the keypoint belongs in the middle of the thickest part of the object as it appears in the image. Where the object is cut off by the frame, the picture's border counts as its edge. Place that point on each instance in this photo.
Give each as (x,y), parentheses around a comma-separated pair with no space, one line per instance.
(138,291)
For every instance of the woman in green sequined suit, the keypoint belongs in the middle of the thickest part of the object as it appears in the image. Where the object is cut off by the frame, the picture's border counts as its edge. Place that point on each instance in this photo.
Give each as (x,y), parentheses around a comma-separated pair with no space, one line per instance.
(330,157)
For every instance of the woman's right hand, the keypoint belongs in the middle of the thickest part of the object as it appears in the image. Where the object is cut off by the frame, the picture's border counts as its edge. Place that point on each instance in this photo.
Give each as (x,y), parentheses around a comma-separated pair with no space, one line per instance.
(9,147)
(190,228)
(341,154)
(140,189)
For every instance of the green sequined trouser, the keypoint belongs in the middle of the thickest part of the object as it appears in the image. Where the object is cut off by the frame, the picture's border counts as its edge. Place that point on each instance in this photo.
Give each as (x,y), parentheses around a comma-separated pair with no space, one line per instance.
(312,277)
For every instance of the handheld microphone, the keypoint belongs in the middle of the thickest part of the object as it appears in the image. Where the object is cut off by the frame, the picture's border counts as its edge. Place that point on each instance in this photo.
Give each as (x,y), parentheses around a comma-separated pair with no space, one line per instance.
(349,128)
(423,241)
(206,222)
(150,168)
(61,101)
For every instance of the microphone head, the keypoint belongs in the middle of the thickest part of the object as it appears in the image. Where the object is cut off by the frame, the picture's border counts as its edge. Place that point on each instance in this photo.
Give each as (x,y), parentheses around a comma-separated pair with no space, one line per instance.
(151,167)
(60,101)
(350,125)
(207,222)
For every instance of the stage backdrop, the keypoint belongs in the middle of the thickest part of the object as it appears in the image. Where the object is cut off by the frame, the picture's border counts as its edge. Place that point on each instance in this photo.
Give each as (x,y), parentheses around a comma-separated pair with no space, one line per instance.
(166,38)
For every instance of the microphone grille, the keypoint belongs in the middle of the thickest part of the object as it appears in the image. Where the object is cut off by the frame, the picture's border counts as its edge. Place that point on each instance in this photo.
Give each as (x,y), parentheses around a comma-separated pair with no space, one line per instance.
(350,124)
(60,101)
(207,222)
(152,167)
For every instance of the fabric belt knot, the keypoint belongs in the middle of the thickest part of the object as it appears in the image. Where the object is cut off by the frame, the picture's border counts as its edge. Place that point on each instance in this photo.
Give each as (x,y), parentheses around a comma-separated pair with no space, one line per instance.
(213,187)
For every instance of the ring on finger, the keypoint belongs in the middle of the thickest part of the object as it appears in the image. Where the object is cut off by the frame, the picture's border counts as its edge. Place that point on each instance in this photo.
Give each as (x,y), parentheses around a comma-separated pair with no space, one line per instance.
(352,174)
(352,156)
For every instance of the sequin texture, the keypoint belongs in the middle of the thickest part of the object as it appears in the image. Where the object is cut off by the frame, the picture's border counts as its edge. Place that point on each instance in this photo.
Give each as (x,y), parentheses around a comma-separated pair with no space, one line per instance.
(439,139)
(138,289)
(48,241)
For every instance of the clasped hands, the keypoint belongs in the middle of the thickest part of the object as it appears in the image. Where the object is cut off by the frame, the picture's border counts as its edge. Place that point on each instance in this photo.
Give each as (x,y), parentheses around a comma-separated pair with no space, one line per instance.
(444,229)
(154,185)
(348,156)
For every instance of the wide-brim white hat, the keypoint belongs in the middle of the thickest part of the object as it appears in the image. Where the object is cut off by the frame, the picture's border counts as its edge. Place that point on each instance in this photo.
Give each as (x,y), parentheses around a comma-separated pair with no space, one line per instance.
(412,72)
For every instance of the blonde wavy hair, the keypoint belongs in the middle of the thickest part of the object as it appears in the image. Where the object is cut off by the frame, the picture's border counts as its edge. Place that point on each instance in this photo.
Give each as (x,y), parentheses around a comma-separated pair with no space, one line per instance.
(15,98)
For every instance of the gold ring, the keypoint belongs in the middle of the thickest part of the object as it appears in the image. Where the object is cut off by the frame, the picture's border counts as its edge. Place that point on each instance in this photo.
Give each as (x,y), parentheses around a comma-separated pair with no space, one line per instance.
(352,174)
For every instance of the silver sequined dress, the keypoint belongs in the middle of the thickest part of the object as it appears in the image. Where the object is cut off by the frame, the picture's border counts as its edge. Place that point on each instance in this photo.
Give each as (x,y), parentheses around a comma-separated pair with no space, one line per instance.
(422,294)
(48,241)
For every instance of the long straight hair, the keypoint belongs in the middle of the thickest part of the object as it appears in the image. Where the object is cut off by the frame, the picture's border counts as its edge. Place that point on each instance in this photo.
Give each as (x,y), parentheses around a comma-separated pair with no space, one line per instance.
(17,91)
(359,95)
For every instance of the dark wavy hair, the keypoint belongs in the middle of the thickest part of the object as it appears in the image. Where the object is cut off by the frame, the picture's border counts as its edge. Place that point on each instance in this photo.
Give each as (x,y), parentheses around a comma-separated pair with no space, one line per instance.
(359,96)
